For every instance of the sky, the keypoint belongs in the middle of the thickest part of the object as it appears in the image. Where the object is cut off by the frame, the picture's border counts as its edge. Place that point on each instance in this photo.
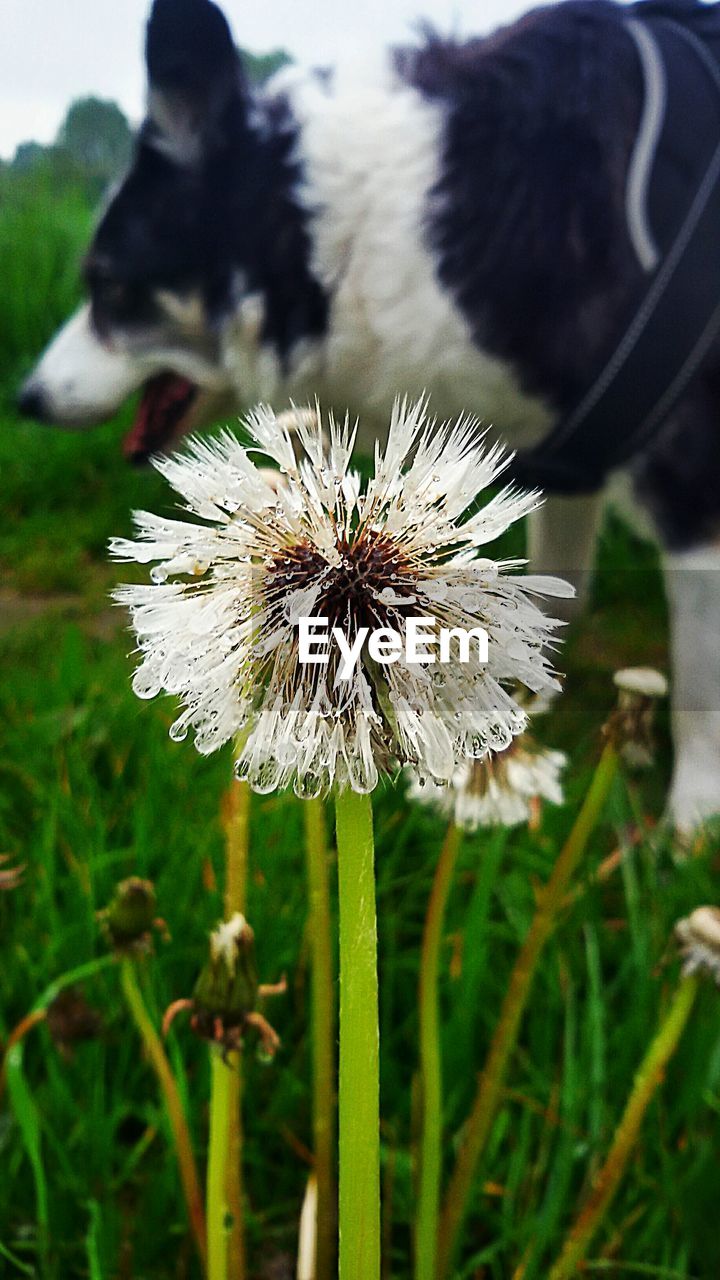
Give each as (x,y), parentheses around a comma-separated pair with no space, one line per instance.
(52,51)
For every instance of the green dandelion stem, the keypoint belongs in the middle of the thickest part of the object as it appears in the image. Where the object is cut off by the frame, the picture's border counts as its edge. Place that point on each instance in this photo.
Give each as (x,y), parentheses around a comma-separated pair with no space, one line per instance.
(647,1080)
(171,1097)
(237,842)
(323,1034)
(431,1104)
(218,1215)
(236,822)
(492,1079)
(359,1092)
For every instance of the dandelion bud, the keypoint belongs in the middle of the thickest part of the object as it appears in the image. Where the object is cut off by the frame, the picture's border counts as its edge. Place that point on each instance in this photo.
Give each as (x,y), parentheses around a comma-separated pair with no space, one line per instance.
(224,1001)
(227,987)
(630,727)
(129,919)
(698,936)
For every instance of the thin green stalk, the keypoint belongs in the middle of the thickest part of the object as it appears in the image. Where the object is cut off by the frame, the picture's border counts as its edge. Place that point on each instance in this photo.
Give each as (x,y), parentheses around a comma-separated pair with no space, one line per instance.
(92,1241)
(359,1094)
(16,1037)
(237,839)
(26,1112)
(173,1103)
(648,1078)
(234,1188)
(29,1124)
(78,974)
(38,1012)
(236,822)
(323,1035)
(221,1074)
(492,1079)
(24,1268)
(431,1102)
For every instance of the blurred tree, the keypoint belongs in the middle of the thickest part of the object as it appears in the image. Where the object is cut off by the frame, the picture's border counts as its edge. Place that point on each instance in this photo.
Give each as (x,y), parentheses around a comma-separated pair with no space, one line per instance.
(94,142)
(260,66)
(27,155)
(97,136)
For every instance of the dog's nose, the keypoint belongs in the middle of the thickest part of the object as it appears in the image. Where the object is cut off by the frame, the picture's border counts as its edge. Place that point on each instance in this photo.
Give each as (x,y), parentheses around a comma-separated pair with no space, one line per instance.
(32,403)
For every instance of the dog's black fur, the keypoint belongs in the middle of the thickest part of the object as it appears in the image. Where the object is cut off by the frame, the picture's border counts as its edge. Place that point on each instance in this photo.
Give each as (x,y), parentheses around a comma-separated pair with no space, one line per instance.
(543,269)
(543,279)
(186,228)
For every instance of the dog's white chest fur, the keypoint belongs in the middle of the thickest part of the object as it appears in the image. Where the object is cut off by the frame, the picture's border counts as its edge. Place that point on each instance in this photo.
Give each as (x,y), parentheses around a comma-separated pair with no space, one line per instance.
(370,153)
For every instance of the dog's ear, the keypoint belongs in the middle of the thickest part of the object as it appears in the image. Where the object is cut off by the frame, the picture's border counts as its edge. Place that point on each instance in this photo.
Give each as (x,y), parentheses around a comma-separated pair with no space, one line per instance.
(196,85)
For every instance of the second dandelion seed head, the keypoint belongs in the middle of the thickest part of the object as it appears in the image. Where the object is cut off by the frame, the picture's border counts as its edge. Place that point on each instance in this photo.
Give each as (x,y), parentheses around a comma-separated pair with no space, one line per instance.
(503,790)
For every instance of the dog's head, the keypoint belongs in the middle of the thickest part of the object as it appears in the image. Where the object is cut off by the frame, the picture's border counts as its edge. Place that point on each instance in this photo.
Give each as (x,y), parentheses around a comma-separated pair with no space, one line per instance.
(176,251)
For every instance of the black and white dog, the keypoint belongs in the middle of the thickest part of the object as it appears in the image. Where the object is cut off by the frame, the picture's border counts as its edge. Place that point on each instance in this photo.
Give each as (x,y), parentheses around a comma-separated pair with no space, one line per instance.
(475,219)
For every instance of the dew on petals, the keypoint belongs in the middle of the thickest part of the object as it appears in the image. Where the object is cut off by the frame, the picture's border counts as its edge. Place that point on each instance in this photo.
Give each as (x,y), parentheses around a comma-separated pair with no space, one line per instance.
(145,686)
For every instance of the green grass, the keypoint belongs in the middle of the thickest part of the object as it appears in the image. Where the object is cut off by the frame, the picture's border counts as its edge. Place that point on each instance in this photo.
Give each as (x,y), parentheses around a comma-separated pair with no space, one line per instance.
(43,229)
(91,789)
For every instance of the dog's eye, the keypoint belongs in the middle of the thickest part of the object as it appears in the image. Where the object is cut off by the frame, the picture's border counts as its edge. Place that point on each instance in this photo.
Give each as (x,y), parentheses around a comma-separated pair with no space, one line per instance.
(103,284)
(114,293)
(114,300)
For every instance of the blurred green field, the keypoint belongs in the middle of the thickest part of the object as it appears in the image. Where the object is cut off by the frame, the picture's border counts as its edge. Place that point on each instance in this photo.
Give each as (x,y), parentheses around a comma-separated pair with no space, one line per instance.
(91,790)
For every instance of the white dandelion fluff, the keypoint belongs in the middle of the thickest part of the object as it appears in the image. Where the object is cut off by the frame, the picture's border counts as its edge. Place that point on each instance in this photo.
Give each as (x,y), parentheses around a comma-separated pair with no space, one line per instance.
(499,791)
(699,938)
(218,626)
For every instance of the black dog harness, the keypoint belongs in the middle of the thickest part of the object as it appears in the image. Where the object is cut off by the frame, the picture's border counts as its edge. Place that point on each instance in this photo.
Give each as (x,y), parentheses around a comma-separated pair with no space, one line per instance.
(673,217)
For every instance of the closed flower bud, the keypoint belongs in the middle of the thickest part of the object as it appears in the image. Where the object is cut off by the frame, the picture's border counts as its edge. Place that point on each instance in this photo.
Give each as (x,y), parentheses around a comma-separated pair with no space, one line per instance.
(223,1004)
(228,986)
(129,919)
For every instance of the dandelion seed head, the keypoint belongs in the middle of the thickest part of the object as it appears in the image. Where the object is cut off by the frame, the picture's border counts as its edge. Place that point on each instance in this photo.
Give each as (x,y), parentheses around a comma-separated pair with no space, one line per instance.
(500,790)
(353,588)
(630,726)
(699,938)
(218,624)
